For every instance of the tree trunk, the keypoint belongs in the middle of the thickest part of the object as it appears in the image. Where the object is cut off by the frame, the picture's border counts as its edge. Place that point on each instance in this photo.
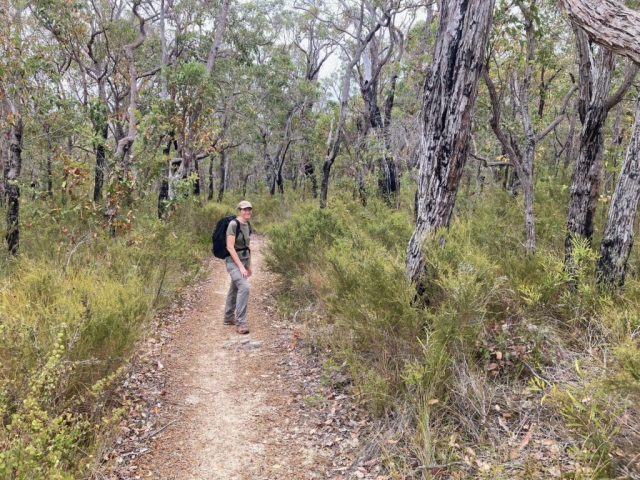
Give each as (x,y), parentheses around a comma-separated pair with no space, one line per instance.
(608,23)
(223,174)
(101,162)
(587,169)
(4,162)
(49,166)
(616,142)
(595,80)
(569,147)
(618,231)
(210,185)
(163,192)
(310,174)
(12,188)
(390,181)
(334,147)
(449,96)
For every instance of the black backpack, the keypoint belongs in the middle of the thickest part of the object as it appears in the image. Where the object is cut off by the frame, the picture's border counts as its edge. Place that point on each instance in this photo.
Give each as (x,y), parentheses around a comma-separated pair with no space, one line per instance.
(219,237)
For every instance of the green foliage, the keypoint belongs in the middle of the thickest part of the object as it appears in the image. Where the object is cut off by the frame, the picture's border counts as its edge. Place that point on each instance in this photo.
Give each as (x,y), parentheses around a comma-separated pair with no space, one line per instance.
(494,321)
(72,307)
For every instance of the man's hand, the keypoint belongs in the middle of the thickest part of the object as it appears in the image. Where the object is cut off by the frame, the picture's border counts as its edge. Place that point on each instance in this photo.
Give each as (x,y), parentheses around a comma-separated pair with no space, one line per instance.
(245,273)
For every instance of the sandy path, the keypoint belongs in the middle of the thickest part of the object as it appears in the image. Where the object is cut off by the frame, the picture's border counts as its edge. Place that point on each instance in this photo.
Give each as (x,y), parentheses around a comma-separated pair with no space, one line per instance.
(205,403)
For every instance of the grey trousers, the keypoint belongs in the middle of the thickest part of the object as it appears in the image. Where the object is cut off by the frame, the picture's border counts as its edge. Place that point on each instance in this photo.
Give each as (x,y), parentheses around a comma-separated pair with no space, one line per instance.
(238,296)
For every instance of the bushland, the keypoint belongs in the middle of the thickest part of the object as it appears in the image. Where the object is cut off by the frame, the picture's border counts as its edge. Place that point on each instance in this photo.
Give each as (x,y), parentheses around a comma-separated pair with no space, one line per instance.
(72,306)
(506,367)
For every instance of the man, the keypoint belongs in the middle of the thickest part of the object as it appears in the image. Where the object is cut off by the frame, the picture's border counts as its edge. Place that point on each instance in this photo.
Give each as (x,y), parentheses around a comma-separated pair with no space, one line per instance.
(238,264)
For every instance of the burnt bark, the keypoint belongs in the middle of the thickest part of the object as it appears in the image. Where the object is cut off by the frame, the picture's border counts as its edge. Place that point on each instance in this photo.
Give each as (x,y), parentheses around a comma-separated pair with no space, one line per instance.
(12,235)
(163,191)
(450,91)
(587,170)
(595,82)
(101,161)
(222,175)
(618,231)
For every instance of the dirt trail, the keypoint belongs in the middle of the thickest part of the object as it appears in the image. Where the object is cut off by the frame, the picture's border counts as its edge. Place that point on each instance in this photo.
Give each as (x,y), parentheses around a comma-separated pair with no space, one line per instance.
(208,403)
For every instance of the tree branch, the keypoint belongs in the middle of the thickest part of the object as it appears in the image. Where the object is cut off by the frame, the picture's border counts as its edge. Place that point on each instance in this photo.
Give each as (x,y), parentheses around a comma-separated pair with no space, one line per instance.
(608,23)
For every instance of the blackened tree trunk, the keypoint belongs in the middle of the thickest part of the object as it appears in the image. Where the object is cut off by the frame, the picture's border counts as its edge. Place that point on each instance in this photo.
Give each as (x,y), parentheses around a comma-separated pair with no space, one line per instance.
(163,191)
(595,82)
(389,184)
(49,165)
(223,174)
(101,162)
(310,173)
(12,188)
(450,91)
(618,231)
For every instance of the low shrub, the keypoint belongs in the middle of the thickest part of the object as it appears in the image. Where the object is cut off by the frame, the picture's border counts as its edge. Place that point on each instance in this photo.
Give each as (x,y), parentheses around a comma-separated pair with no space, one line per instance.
(72,307)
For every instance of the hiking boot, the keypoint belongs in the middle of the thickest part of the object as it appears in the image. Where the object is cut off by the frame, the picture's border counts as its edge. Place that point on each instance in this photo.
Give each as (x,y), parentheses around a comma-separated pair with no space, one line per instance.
(229,322)
(242,329)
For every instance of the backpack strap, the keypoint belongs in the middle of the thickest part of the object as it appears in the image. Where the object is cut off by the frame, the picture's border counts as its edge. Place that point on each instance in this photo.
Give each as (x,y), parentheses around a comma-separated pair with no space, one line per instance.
(239,231)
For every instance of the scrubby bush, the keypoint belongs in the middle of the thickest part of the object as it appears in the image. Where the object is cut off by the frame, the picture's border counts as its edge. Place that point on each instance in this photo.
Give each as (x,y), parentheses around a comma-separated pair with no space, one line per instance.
(72,306)
(492,320)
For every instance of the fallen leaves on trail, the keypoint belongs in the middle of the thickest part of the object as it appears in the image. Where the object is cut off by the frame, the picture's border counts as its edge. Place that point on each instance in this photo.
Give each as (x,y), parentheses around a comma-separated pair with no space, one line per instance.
(142,395)
(312,426)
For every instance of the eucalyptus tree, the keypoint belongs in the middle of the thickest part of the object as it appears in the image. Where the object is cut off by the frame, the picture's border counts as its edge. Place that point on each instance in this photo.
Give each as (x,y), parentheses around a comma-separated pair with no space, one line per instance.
(595,102)
(312,42)
(616,28)
(449,96)
(521,153)
(355,25)
(14,94)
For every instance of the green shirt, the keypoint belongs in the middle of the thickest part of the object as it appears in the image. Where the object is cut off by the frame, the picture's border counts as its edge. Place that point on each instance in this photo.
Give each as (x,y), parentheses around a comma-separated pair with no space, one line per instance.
(242,239)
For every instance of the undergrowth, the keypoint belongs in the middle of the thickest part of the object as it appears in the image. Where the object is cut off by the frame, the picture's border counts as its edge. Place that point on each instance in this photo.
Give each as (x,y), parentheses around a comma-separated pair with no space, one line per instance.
(501,344)
(72,306)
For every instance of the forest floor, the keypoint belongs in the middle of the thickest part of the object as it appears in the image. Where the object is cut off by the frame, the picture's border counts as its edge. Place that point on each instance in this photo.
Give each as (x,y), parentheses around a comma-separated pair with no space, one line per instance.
(203,402)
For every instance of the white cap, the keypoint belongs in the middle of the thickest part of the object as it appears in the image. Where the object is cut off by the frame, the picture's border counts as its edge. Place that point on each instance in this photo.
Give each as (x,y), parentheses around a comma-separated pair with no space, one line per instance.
(244,204)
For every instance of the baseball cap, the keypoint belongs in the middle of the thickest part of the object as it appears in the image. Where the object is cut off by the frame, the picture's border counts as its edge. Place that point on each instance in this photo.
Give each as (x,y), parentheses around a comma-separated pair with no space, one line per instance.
(244,204)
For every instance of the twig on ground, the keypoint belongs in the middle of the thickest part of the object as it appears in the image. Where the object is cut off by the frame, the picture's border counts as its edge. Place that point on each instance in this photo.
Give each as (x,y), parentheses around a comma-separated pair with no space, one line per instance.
(161,429)
(438,467)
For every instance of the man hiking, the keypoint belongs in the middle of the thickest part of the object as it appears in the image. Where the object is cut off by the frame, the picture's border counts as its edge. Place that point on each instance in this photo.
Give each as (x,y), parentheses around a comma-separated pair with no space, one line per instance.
(238,264)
